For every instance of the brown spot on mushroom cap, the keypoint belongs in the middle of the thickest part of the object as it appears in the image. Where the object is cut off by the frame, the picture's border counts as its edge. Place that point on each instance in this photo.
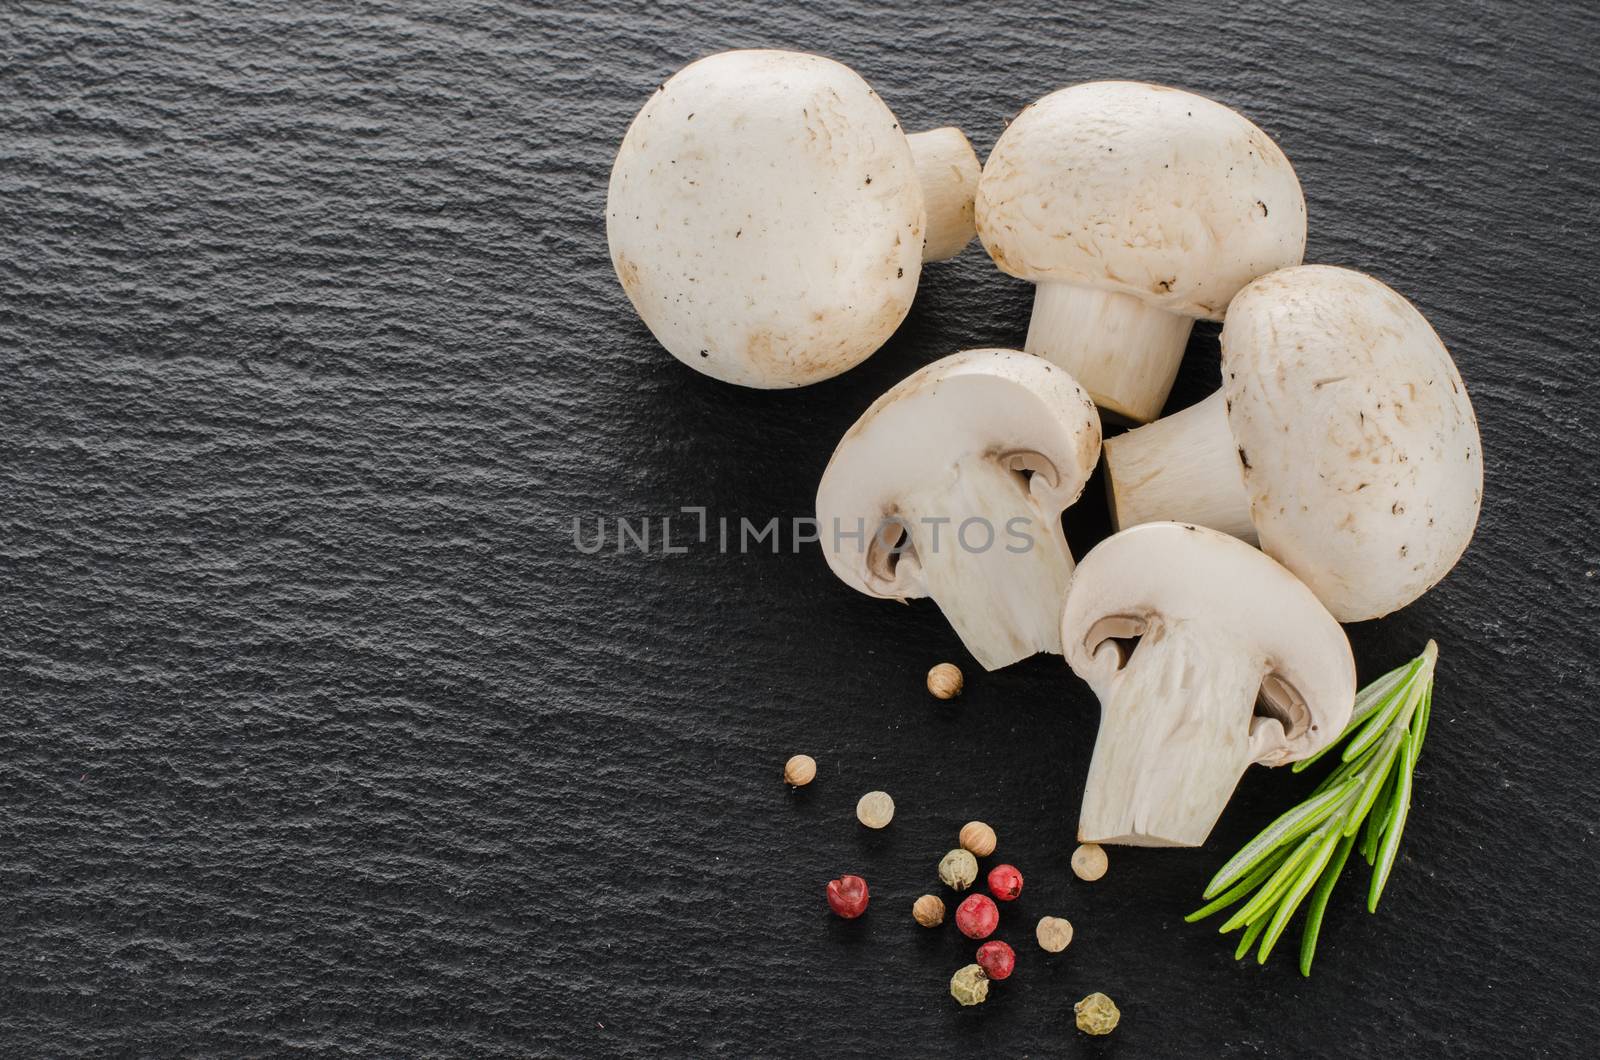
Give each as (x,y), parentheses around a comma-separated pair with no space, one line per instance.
(628,273)
(760,348)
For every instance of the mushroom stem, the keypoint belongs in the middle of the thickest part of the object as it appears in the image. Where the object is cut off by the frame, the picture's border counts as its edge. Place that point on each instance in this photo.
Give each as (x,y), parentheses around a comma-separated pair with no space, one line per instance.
(995,562)
(949,171)
(1122,351)
(1185,468)
(1176,733)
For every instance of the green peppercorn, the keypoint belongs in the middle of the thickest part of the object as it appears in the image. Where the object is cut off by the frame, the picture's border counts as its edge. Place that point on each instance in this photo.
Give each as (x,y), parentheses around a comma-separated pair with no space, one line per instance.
(958,869)
(969,985)
(1097,1014)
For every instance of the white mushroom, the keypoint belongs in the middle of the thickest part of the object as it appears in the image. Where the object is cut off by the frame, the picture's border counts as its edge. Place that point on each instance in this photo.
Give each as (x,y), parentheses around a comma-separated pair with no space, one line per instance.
(1342,439)
(769,220)
(1206,656)
(952,486)
(1135,209)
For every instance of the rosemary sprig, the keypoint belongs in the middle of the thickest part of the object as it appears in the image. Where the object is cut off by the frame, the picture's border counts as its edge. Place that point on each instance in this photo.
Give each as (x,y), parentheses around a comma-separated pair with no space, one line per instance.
(1303,852)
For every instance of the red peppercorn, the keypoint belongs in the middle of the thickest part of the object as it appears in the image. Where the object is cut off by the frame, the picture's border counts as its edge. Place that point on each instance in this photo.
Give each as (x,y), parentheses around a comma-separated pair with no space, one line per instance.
(847,896)
(1005,882)
(977,916)
(996,959)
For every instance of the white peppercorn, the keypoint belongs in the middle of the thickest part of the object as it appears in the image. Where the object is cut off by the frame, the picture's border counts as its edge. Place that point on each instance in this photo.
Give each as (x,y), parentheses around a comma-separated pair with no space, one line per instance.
(1089,862)
(1054,933)
(875,809)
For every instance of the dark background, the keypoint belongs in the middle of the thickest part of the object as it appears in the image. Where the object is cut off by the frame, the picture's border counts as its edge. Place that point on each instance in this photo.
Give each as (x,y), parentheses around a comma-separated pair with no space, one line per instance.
(318,736)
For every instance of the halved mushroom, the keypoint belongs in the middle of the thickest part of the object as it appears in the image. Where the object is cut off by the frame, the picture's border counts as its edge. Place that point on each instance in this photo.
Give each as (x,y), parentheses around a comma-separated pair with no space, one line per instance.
(1342,439)
(1206,656)
(952,485)
(1135,208)
(769,220)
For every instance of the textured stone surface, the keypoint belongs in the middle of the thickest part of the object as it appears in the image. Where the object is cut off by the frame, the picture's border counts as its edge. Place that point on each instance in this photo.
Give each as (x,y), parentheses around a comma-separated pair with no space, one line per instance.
(319,736)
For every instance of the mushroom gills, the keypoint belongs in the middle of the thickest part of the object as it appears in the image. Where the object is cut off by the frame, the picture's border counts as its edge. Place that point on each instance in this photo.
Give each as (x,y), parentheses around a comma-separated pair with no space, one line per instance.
(988,555)
(1116,633)
(1278,703)
(1277,700)
(884,553)
(1172,745)
(1029,463)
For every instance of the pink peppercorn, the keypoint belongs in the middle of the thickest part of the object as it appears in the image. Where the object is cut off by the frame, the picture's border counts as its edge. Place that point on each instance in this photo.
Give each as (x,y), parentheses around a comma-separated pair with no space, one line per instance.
(847,896)
(977,916)
(1005,882)
(996,959)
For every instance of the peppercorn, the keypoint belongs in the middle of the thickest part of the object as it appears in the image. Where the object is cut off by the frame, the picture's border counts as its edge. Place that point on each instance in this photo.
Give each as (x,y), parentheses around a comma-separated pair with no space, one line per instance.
(1097,1014)
(875,809)
(1089,861)
(800,770)
(1005,882)
(996,959)
(969,985)
(977,916)
(958,869)
(847,896)
(928,910)
(1054,933)
(945,681)
(978,838)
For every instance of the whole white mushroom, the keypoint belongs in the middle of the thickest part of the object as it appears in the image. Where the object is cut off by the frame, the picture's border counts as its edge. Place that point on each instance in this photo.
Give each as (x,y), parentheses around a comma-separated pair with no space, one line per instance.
(1136,209)
(769,219)
(1342,440)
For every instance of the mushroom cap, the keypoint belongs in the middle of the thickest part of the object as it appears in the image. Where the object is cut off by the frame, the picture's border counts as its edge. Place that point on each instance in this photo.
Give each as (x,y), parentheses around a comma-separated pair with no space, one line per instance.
(1141,189)
(765,218)
(1179,572)
(1000,403)
(1358,441)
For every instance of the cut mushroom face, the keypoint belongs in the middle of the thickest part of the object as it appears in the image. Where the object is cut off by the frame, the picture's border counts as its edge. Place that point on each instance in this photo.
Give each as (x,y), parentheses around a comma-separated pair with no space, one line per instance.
(952,486)
(769,220)
(1206,656)
(1136,209)
(1342,440)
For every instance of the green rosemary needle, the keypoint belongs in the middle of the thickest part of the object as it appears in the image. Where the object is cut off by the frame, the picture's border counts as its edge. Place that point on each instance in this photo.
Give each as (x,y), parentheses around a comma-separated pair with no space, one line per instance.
(1302,853)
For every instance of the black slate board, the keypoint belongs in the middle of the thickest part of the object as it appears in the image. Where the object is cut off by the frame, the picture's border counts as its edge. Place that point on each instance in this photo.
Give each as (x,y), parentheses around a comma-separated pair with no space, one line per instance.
(319,737)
